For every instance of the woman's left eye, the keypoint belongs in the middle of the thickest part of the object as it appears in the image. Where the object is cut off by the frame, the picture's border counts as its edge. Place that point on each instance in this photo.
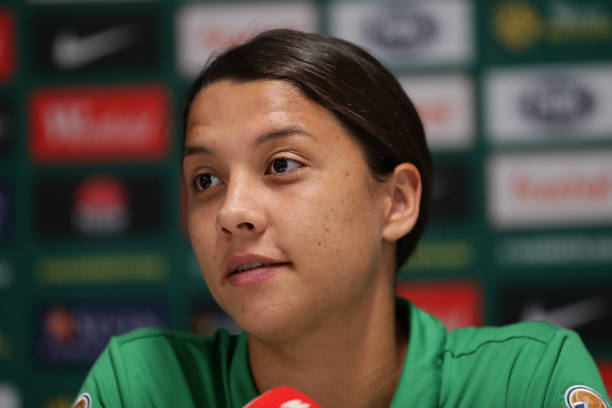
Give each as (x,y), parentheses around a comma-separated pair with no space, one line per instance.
(282,165)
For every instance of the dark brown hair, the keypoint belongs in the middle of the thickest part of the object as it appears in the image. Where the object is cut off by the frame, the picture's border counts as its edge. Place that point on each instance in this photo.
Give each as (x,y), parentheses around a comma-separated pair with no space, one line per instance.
(343,78)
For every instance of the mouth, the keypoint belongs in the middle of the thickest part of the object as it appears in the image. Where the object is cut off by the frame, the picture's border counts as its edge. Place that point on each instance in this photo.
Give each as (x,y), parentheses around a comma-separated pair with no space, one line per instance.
(245,262)
(249,266)
(250,269)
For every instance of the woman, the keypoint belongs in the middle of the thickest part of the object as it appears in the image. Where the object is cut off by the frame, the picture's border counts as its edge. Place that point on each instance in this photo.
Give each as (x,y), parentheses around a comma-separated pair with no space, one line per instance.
(309,185)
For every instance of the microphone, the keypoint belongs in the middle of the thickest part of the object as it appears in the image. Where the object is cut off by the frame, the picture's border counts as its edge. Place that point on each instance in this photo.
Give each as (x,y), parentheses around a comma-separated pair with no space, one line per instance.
(282,397)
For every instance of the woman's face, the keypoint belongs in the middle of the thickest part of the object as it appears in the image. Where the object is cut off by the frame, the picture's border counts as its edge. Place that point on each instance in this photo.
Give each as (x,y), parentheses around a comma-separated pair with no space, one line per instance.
(284,217)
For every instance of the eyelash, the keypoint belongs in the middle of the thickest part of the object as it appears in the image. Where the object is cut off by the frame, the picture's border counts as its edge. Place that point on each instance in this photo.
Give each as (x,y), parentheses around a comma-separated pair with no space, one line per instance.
(299,164)
(195,187)
(194,183)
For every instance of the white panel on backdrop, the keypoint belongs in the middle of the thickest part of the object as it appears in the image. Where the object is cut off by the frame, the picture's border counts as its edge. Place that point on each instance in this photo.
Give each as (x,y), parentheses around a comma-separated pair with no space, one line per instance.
(408,33)
(9,396)
(549,104)
(89,1)
(446,106)
(206,28)
(550,189)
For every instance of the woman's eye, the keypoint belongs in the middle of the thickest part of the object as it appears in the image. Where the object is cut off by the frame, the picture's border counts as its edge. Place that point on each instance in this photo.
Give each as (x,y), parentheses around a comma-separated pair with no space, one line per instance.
(205,181)
(282,165)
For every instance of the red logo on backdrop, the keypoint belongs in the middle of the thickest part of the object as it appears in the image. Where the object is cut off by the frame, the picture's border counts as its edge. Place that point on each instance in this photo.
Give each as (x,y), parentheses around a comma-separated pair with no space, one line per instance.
(78,124)
(605,369)
(438,111)
(594,188)
(60,325)
(456,304)
(7,45)
(101,206)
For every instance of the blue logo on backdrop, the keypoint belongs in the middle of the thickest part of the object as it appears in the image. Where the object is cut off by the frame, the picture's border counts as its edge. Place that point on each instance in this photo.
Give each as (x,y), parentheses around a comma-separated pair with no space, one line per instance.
(557,101)
(76,335)
(400,28)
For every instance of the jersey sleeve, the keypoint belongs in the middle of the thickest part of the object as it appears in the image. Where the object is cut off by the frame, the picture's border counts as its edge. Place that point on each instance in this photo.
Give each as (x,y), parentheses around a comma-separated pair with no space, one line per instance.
(568,375)
(101,386)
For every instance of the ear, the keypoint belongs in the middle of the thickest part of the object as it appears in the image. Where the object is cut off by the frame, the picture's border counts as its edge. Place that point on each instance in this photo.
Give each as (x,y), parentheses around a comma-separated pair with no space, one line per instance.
(405,193)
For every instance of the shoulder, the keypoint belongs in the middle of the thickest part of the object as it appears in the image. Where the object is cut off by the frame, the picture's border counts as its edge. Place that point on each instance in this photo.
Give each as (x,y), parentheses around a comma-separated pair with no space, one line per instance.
(151,336)
(535,335)
(519,365)
(150,347)
(170,368)
(161,349)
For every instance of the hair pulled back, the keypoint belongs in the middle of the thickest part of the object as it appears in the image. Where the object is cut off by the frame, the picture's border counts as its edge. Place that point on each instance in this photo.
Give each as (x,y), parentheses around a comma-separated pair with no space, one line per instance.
(343,78)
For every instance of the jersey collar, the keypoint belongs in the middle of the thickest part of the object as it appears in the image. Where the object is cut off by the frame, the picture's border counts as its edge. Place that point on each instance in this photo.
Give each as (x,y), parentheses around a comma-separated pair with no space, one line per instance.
(419,383)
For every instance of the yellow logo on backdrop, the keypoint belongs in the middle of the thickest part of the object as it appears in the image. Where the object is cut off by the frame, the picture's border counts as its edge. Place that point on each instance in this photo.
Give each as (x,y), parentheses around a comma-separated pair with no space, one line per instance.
(97,269)
(517,25)
(581,21)
(442,255)
(6,348)
(59,402)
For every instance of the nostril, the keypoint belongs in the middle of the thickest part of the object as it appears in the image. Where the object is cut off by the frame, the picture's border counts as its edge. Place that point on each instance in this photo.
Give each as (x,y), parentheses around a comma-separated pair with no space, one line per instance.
(236,220)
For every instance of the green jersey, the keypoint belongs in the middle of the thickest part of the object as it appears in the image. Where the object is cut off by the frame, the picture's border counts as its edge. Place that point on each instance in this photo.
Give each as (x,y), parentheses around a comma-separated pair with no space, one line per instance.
(523,365)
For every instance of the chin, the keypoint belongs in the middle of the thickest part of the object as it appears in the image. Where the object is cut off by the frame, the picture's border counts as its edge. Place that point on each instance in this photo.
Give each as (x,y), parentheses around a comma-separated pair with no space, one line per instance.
(270,323)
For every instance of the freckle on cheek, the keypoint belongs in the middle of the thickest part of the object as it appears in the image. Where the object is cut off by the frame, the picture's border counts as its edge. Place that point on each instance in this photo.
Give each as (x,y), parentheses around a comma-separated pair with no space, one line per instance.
(326,229)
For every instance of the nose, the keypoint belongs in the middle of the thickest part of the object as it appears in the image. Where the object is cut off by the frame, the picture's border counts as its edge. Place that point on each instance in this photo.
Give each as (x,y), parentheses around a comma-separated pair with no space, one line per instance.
(241,213)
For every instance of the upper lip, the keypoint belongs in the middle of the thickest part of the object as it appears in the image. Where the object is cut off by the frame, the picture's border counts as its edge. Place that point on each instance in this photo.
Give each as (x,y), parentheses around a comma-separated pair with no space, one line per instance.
(234,261)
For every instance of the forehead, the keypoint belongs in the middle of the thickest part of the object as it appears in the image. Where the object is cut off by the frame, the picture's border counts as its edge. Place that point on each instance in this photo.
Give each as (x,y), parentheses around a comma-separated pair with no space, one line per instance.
(226,103)
(233,116)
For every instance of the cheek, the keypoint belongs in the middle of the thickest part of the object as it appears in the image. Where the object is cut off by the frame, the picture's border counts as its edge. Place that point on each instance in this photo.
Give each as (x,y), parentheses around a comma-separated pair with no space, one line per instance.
(200,235)
(336,222)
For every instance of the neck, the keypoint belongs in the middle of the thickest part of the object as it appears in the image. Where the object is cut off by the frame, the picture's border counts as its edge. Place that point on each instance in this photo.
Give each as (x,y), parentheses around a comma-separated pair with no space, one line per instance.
(352,361)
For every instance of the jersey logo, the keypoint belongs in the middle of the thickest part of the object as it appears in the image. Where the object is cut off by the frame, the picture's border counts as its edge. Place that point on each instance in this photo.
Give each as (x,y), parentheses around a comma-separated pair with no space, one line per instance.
(83,401)
(581,396)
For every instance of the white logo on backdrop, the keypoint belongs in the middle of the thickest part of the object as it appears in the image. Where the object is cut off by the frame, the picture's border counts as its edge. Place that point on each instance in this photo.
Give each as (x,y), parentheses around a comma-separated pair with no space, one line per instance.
(548,190)
(408,33)
(203,29)
(446,106)
(549,104)
(72,51)
(571,315)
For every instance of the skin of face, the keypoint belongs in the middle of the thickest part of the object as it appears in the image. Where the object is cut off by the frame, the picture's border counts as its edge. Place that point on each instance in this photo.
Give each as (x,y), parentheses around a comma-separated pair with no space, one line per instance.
(272,174)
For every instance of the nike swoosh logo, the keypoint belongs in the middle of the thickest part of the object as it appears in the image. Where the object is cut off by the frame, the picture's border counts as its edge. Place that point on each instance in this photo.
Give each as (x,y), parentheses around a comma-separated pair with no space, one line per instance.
(71,51)
(569,316)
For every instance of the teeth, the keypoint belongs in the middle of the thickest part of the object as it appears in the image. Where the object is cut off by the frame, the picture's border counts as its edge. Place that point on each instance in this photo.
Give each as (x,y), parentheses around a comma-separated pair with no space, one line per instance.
(248,266)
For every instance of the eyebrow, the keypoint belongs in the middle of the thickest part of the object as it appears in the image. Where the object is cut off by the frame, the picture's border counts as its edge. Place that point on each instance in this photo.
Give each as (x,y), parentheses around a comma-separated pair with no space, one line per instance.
(261,139)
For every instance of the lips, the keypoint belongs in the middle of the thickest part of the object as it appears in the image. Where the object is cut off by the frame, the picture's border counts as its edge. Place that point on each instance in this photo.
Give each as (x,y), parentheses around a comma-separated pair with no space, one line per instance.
(241,263)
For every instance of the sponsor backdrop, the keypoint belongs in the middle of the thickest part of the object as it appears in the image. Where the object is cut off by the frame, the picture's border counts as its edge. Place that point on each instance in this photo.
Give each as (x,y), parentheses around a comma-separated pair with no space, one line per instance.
(517,102)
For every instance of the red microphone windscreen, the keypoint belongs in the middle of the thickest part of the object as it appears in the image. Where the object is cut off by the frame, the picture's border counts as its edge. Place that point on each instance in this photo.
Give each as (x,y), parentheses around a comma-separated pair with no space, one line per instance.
(282,397)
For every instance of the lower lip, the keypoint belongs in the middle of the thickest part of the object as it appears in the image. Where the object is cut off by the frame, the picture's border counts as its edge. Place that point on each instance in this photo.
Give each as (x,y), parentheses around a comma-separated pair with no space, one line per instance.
(255,276)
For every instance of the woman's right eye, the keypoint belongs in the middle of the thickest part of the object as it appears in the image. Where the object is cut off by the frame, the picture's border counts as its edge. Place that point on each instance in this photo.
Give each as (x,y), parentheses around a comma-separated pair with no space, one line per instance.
(205,181)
